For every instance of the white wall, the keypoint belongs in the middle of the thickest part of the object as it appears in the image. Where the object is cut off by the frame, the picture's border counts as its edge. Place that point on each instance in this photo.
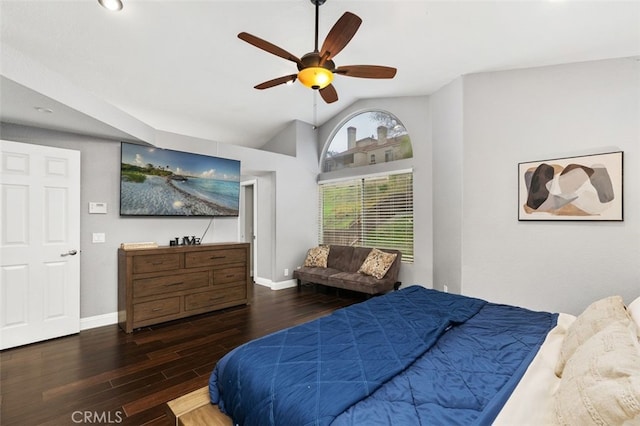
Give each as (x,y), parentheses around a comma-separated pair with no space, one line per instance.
(447,118)
(283,143)
(538,114)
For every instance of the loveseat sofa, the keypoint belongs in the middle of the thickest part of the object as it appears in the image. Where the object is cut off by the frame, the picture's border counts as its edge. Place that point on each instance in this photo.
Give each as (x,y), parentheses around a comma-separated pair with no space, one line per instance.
(341,271)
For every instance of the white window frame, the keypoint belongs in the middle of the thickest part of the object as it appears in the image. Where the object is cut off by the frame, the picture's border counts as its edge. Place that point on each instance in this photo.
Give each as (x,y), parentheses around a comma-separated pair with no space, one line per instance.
(407,248)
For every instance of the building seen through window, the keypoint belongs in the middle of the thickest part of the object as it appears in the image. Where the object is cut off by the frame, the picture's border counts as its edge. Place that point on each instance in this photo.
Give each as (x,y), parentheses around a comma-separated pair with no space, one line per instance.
(368,138)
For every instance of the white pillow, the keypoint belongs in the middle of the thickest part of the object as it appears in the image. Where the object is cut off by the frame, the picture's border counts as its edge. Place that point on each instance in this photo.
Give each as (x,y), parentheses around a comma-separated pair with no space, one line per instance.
(595,317)
(634,310)
(601,382)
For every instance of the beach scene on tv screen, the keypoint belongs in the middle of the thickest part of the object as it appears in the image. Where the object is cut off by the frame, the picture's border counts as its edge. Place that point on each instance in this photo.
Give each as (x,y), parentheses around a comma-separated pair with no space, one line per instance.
(160,182)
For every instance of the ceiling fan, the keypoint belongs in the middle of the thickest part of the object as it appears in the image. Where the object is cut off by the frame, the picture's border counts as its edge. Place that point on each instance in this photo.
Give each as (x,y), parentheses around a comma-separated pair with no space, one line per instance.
(316,69)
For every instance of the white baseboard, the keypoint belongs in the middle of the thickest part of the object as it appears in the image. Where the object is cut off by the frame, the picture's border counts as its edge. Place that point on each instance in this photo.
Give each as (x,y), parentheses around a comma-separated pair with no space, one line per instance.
(263,281)
(275,285)
(284,284)
(98,321)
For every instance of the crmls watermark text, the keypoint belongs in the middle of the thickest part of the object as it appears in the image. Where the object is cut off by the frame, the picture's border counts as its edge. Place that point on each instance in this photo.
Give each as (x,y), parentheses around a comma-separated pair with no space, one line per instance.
(96,417)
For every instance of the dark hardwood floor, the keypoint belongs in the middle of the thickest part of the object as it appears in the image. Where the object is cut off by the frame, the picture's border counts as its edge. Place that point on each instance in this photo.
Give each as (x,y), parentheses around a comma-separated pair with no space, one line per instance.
(105,376)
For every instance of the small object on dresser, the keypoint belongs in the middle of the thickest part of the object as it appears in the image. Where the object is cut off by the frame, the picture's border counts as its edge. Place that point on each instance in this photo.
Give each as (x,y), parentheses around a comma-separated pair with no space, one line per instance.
(131,246)
(190,241)
(186,241)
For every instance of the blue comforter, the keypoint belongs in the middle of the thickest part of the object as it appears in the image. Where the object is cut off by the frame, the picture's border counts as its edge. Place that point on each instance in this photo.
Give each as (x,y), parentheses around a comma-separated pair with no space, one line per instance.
(361,364)
(465,378)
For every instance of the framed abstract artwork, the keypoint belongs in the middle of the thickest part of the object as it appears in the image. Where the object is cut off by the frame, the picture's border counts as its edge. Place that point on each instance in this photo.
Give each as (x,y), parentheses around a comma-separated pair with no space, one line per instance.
(574,188)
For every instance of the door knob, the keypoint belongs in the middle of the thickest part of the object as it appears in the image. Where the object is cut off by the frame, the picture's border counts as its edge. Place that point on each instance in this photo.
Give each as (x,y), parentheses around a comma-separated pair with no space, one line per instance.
(70,253)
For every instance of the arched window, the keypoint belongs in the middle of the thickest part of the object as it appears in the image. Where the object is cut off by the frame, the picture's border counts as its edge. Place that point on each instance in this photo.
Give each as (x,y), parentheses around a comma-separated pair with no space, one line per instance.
(367,138)
(368,210)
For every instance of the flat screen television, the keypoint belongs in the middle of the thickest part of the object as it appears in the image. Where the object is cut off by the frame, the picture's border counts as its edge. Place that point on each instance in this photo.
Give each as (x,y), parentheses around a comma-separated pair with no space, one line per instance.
(163,182)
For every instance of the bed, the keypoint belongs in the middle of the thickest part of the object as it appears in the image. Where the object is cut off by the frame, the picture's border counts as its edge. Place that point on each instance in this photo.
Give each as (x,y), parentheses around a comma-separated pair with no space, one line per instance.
(420,356)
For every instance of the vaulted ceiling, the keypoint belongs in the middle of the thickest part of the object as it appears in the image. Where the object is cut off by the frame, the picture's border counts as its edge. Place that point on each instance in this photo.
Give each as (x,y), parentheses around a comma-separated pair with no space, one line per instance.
(178,65)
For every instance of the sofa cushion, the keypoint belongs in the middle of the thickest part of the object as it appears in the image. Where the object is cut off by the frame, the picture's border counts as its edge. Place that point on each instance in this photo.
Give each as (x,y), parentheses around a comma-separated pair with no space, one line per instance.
(317,257)
(314,274)
(359,282)
(340,258)
(377,263)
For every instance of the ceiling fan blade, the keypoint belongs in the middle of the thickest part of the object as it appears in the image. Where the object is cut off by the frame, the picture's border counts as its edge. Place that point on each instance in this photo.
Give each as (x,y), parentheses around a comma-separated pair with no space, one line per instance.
(276,81)
(329,94)
(269,47)
(366,71)
(340,34)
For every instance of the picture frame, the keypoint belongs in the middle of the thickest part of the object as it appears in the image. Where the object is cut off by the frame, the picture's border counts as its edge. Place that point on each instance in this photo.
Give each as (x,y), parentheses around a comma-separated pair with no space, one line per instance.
(156,182)
(581,188)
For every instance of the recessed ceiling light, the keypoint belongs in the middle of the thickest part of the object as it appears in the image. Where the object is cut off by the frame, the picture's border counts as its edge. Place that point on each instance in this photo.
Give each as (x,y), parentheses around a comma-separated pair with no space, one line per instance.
(113,5)
(43,110)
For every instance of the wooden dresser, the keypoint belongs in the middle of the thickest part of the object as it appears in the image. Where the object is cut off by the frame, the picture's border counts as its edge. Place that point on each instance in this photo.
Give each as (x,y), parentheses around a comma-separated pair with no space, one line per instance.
(166,283)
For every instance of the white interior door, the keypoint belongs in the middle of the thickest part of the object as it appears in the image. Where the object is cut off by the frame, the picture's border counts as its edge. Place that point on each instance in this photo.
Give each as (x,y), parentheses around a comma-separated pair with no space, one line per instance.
(39,243)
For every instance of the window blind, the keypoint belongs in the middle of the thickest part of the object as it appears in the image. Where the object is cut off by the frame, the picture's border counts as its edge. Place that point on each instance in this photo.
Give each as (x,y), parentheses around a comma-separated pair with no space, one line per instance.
(369,212)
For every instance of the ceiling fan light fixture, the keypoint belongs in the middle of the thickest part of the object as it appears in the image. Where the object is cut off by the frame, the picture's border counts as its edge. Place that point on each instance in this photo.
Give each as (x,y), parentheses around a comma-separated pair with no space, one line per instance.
(315,77)
(317,68)
(112,5)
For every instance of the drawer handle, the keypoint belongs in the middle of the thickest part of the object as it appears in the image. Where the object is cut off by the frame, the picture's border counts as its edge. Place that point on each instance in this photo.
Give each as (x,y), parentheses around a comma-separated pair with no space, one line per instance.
(156,309)
(230,276)
(157,263)
(173,284)
(217,257)
(216,298)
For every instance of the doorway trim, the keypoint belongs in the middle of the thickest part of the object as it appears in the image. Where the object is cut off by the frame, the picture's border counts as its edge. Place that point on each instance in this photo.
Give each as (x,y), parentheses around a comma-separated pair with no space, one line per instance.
(254,243)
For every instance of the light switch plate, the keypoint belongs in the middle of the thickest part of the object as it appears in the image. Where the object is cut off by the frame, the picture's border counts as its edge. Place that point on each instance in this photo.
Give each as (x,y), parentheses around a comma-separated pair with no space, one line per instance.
(99,237)
(97,208)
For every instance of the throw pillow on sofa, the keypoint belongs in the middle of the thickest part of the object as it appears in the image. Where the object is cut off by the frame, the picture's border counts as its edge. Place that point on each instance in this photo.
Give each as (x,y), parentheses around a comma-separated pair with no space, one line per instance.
(317,257)
(377,263)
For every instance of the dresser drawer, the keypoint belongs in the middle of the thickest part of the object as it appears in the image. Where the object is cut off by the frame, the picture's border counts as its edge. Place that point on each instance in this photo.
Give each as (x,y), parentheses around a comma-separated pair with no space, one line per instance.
(155,309)
(169,283)
(228,275)
(214,297)
(214,257)
(156,262)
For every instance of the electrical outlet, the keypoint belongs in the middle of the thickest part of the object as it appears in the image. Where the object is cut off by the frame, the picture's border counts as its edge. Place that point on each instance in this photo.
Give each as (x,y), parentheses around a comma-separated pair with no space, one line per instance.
(445,288)
(286,272)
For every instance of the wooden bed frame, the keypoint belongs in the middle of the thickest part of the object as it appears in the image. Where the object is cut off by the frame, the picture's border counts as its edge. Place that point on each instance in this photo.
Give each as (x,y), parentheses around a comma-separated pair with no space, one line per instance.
(195,409)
